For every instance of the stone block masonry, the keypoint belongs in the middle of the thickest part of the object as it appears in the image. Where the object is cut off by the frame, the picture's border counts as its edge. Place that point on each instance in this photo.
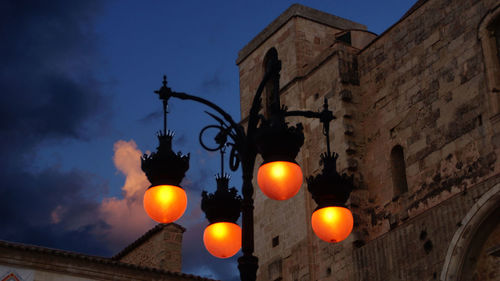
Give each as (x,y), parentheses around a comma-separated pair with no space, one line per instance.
(422,85)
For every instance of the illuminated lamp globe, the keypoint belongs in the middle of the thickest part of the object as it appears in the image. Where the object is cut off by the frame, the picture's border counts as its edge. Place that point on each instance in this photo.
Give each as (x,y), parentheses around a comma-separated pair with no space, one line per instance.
(165,203)
(332,224)
(222,239)
(279,180)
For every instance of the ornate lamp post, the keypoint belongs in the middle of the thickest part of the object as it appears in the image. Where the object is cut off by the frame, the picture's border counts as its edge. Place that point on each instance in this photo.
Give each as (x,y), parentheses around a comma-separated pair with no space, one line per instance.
(279,176)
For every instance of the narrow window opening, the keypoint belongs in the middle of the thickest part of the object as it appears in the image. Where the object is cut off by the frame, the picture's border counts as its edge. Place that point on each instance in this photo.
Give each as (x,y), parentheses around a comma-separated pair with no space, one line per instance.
(269,91)
(398,168)
(344,37)
(489,34)
(495,30)
(276,241)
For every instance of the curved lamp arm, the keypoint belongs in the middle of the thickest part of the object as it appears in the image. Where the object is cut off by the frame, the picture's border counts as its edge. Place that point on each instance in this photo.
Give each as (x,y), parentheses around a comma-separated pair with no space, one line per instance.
(238,128)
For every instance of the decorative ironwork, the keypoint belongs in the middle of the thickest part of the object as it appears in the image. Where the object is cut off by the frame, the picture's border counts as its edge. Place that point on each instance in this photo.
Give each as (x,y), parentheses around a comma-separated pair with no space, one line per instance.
(329,188)
(164,159)
(224,205)
(270,136)
(277,143)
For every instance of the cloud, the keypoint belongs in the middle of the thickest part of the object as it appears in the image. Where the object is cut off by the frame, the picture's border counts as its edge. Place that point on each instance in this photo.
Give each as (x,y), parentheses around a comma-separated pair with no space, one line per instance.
(126,217)
(49,93)
(46,79)
(155,115)
(50,208)
(214,82)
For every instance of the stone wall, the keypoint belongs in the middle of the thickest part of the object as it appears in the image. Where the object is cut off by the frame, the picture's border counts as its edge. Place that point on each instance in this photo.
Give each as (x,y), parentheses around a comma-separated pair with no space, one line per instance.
(299,42)
(422,85)
(160,248)
(416,249)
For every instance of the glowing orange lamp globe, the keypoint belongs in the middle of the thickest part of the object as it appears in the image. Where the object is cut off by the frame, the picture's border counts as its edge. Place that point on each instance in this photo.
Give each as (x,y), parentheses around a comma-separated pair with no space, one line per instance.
(165,203)
(332,224)
(222,239)
(279,180)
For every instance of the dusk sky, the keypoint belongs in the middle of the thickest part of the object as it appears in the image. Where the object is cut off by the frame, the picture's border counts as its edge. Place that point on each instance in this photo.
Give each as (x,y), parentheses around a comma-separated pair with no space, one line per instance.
(77,110)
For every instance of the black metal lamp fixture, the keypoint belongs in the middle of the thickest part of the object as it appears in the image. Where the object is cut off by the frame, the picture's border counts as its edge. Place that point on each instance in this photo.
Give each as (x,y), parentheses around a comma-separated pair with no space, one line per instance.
(165,201)
(330,191)
(222,237)
(279,177)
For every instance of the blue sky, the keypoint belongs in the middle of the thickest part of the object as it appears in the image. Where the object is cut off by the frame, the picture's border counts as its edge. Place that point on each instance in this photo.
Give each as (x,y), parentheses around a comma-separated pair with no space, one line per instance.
(79,76)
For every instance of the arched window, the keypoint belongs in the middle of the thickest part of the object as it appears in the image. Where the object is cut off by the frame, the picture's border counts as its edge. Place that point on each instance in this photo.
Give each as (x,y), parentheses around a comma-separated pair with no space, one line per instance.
(495,29)
(398,169)
(474,248)
(489,34)
(270,88)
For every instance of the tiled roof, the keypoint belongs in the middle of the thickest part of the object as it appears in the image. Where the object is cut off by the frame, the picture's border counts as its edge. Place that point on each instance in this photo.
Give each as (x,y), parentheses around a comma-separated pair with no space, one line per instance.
(93,259)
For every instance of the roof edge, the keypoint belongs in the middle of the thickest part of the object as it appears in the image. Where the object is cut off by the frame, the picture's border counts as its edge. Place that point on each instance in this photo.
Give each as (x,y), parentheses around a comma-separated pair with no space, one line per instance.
(296,10)
(144,238)
(90,258)
(415,7)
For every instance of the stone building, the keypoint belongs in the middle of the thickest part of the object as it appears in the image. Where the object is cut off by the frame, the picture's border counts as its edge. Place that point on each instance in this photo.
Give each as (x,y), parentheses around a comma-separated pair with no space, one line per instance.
(417,124)
(154,256)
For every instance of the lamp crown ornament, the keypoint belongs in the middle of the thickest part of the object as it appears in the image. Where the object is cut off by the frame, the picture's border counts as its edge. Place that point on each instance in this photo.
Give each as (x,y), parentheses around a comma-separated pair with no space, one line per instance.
(165,159)
(279,143)
(329,188)
(224,205)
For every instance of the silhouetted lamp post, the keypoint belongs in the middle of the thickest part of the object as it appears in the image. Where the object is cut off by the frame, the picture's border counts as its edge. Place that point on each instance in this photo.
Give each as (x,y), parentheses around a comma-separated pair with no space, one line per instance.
(279,176)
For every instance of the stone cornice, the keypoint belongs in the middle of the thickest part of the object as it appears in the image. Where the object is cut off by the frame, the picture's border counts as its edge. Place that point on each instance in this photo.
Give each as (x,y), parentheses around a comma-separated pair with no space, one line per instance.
(296,10)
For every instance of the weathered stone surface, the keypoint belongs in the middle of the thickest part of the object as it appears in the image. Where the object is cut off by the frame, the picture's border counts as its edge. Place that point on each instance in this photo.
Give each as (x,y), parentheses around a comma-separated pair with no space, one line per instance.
(160,247)
(422,84)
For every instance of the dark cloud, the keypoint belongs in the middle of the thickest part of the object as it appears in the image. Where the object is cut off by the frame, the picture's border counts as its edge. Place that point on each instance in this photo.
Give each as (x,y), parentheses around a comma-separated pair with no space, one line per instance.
(47,53)
(213,83)
(202,177)
(51,208)
(153,116)
(179,140)
(48,93)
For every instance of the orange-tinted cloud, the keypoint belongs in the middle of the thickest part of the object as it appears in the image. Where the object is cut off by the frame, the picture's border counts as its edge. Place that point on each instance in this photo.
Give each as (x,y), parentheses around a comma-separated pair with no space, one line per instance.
(126,217)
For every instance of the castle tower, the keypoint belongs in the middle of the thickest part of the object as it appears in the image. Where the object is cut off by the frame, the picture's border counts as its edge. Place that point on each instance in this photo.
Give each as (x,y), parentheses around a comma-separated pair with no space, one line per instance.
(317,53)
(417,113)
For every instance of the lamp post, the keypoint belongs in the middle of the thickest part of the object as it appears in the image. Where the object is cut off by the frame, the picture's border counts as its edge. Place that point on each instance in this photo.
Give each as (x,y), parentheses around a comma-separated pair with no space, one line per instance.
(279,177)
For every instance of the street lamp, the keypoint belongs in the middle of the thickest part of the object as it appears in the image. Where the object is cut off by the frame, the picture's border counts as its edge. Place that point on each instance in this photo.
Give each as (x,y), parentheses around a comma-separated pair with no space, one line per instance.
(279,177)
(165,201)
